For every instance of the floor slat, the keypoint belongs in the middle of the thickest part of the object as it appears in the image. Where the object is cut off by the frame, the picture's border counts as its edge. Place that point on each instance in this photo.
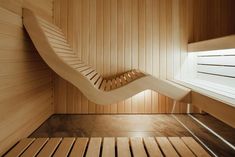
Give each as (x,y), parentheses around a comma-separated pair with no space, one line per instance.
(35,147)
(64,147)
(50,147)
(123,147)
(20,147)
(180,146)
(152,147)
(108,147)
(79,147)
(166,147)
(137,147)
(195,147)
(94,147)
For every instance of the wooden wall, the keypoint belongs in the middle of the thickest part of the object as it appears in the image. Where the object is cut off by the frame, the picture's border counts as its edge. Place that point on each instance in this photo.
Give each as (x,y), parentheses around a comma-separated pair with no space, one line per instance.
(117,35)
(212,19)
(25,80)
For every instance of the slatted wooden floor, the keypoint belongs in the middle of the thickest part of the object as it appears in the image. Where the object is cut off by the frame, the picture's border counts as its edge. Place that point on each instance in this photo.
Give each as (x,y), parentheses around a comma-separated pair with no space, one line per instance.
(108,147)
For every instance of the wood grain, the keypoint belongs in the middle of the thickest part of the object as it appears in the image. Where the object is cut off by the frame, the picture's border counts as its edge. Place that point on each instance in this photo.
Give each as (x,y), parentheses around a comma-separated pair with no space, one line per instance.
(77,72)
(133,28)
(25,80)
(136,147)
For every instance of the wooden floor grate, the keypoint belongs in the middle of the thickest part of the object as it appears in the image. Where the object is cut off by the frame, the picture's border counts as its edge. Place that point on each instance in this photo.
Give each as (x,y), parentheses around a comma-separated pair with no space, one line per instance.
(108,147)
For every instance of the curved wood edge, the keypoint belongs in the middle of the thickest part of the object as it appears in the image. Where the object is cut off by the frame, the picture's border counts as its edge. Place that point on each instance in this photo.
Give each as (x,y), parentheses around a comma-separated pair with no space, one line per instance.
(95,95)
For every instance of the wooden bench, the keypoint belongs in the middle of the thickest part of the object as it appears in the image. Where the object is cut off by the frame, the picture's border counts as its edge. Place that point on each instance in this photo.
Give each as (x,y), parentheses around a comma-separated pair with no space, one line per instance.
(54,48)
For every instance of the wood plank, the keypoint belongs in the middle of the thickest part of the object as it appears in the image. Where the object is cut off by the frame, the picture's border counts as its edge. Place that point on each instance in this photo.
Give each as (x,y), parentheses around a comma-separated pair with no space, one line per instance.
(64,147)
(35,147)
(20,147)
(166,147)
(137,147)
(123,80)
(103,85)
(221,71)
(107,42)
(118,80)
(91,75)
(53,37)
(152,147)
(127,77)
(20,60)
(85,33)
(108,85)
(94,147)
(88,71)
(123,148)
(108,147)
(226,42)
(98,83)
(79,147)
(95,79)
(226,60)
(50,147)
(181,148)
(113,84)
(195,147)
(83,68)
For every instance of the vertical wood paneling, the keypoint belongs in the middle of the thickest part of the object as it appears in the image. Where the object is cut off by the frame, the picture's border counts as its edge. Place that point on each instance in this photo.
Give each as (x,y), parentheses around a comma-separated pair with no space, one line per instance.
(113,49)
(99,41)
(107,44)
(142,10)
(119,35)
(120,44)
(127,45)
(26,87)
(92,44)
(148,51)
(212,19)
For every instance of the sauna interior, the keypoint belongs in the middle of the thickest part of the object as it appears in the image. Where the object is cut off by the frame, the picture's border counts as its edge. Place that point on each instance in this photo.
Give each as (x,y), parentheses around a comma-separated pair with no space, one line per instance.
(117,78)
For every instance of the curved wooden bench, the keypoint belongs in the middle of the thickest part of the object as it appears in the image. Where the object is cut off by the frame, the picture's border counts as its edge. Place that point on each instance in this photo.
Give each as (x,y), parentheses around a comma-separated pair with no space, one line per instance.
(53,47)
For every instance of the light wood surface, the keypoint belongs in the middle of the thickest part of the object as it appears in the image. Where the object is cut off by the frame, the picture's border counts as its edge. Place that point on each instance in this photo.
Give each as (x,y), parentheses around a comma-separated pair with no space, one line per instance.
(93,149)
(193,23)
(78,76)
(108,149)
(137,147)
(79,147)
(181,146)
(211,19)
(152,147)
(64,147)
(20,147)
(25,80)
(50,147)
(226,42)
(123,148)
(194,146)
(214,107)
(166,147)
(35,147)
(134,34)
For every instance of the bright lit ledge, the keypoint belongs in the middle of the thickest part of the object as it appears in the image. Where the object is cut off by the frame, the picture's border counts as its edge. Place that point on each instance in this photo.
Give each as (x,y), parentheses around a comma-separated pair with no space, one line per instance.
(227,95)
(209,69)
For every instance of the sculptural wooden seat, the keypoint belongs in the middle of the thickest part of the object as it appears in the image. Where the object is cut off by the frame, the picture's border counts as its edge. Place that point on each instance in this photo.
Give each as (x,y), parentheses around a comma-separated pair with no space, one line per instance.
(53,47)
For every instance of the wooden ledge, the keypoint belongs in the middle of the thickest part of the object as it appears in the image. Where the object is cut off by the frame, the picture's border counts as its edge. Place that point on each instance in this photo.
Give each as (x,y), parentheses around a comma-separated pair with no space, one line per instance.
(227,42)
